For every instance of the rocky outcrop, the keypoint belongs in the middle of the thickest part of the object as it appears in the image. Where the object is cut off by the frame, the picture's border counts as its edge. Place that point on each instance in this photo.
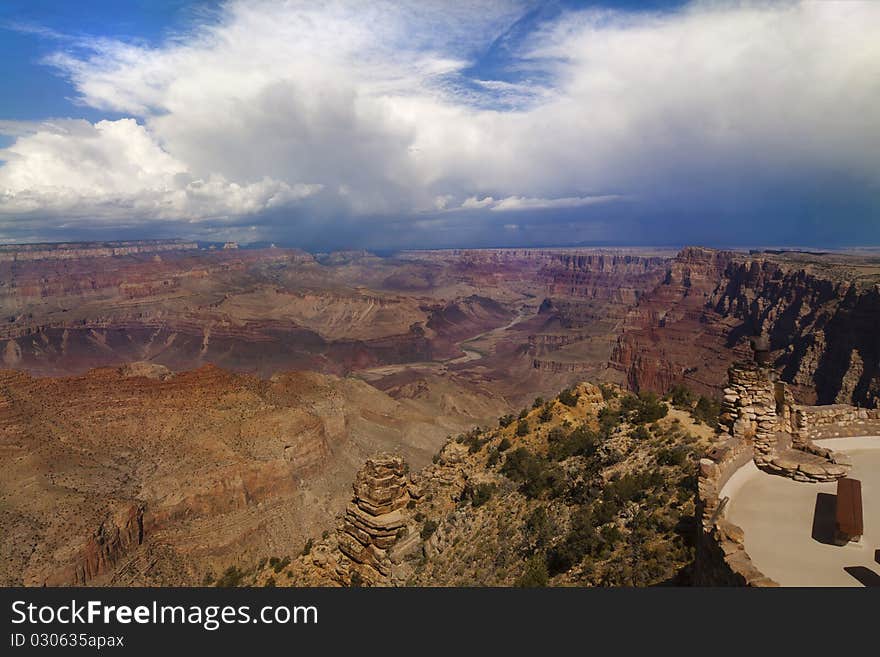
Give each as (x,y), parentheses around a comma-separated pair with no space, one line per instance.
(375,516)
(121,530)
(376,531)
(557,367)
(146,370)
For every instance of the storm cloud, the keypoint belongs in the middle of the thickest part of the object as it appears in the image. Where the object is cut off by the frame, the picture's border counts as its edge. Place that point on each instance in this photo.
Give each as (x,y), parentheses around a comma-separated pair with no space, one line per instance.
(302,120)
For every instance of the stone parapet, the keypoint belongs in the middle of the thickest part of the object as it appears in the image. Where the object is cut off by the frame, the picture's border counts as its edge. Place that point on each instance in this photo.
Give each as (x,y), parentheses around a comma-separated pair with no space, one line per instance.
(835,420)
(721,558)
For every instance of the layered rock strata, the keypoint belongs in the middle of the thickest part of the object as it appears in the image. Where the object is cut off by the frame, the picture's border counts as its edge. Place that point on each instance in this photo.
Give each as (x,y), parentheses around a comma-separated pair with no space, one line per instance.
(375,516)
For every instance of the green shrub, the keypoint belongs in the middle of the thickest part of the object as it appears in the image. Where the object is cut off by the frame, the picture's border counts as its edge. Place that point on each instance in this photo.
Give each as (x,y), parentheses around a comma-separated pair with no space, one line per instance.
(707,410)
(504,445)
(279,564)
(629,403)
(649,409)
(482,494)
(308,547)
(539,401)
(608,421)
(538,527)
(568,397)
(505,420)
(523,414)
(640,433)
(522,428)
(578,442)
(533,473)
(582,540)
(681,397)
(535,574)
(608,392)
(474,439)
(673,456)
(546,413)
(231,577)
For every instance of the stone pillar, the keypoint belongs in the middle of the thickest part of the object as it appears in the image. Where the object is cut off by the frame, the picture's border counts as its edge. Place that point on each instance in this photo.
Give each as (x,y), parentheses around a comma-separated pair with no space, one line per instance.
(749,405)
(375,516)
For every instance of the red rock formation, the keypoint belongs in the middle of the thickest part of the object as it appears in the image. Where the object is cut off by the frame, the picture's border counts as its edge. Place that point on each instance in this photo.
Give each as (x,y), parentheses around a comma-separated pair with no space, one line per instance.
(121,530)
(824,330)
(671,336)
(101,474)
(620,278)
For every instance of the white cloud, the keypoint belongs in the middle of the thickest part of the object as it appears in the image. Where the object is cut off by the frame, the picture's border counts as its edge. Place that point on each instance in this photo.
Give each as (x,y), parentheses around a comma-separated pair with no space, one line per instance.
(513,203)
(275,101)
(115,169)
(472,202)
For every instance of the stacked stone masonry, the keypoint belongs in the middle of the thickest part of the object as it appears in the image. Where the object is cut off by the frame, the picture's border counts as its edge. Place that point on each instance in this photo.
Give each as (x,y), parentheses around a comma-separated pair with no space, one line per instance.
(721,558)
(761,421)
(834,421)
(759,408)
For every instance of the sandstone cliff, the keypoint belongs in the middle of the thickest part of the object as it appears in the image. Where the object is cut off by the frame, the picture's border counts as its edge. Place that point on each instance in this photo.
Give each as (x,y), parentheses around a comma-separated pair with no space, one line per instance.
(824,332)
(133,475)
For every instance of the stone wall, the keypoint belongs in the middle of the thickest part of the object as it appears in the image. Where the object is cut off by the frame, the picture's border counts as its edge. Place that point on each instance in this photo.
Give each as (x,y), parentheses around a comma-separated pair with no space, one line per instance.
(721,558)
(835,420)
(759,408)
(763,423)
(755,405)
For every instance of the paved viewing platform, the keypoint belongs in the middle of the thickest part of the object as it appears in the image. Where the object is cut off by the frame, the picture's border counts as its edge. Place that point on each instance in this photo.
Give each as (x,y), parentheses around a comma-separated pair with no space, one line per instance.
(789,525)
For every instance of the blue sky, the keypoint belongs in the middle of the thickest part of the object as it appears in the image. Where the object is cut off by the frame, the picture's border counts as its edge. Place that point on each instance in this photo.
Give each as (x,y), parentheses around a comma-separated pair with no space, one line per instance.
(27,28)
(447,124)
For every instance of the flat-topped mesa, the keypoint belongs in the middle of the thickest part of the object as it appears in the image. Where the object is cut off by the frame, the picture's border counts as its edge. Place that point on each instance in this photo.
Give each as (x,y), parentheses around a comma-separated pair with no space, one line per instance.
(72,250)
(375,516)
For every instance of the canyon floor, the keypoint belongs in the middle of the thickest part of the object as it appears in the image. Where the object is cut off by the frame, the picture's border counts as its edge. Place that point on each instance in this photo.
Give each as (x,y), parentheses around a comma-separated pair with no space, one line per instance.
(166,409)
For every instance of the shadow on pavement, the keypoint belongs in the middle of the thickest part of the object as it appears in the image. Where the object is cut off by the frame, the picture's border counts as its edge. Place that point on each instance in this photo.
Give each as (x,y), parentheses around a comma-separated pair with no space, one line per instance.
(823,518)
(865,575)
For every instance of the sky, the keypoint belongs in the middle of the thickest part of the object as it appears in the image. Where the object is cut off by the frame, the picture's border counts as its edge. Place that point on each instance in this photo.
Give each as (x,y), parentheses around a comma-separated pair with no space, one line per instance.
(385,125)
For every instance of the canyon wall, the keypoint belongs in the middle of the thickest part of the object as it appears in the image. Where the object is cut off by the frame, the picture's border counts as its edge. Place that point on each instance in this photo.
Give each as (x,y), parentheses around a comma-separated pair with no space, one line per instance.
(822,318)
(824,331)
(671,336)
(137,476)
(75,250)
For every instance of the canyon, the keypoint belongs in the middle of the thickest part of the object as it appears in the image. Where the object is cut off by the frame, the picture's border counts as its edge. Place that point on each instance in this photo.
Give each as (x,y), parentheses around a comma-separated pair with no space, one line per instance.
(168,408)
